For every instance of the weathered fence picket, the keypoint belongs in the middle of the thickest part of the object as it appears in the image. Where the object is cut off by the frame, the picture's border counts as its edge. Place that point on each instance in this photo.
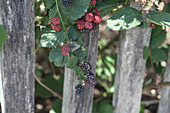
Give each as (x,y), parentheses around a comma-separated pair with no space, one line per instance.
(130,68)
(17,56)
(164,104)
(80,104)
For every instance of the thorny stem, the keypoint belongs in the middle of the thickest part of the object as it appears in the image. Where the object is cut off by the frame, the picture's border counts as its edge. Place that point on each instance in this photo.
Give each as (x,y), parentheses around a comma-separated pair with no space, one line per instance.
(47,88)
(61,20)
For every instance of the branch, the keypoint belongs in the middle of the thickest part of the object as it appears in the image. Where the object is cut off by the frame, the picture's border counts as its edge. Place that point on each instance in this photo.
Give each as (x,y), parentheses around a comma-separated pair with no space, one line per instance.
(150,102)
(158,85)
(47,88)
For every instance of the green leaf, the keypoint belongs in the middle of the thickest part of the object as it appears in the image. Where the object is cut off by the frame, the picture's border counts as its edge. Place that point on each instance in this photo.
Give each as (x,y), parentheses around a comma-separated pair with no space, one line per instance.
(57,57)
(106,7)
(44,93)
(158,55)
(159,17)
(76,82)
(53,12)
(48,4)
(124,19)
(37,32)
(74,34)
(3,36)
(72,61)
(145,52)
(80,53)
(56,106)
(94,109)
(167,7)
(158,36)
(75,11)
(77,69)
(106,109)
(52,38)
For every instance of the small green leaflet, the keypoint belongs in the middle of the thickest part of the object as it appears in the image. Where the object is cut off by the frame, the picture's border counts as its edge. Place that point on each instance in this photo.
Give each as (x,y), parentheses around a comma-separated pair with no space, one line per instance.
(106,7)
(158,36)
(159,17)
(3,36)
(74,34)
(124,19)
(158,55)
(75,11)
(52,38)
(72,61)
(57,57)
(48,4)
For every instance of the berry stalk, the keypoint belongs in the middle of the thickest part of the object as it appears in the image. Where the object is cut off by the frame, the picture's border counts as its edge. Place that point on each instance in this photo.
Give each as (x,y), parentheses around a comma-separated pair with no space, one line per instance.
(61,20)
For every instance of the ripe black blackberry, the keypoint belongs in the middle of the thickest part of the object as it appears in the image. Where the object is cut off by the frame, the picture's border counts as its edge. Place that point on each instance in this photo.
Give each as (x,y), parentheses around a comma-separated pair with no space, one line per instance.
(79,89)
(91,79)
(86,67)
(84,30)
(95,26)
(67,3)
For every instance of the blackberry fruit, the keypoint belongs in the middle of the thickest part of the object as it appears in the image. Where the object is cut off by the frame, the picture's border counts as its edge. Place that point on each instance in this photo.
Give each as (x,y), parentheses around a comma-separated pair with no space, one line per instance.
(79,89)
(86,67)
(95,26)
(56,27)
(88,25)
(65,50)
(67,3)
(91,79)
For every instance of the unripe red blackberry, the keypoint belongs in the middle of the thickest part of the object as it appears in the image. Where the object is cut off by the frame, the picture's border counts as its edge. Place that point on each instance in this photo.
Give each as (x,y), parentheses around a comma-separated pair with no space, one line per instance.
(88,25)
(55,20)
(97,19)
(91,79)
(89,17)
(79,89)
(67,3)
(56,27)
(92,2)
(65,50)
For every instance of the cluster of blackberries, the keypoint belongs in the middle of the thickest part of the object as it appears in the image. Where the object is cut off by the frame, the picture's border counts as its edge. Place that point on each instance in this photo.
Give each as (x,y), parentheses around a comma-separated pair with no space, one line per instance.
(67,3)
(55,21)
(79,89)
(89,21)
(90,78)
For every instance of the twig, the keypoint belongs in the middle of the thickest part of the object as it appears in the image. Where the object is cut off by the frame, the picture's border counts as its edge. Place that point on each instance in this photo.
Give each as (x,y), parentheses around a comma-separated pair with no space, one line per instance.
(154,75)
(47,88)
(158,85)
(150,102)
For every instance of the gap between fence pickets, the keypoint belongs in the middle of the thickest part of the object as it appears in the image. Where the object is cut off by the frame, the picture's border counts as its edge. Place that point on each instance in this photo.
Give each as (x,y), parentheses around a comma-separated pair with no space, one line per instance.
(164,105)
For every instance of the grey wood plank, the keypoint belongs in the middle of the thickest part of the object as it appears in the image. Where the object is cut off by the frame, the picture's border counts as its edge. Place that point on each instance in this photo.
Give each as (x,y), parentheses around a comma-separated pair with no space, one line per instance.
(17,56)
(130,68)
(164,104)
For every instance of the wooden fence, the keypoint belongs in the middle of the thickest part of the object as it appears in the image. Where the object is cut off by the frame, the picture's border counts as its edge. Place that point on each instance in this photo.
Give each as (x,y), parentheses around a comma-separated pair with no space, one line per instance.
(17,66)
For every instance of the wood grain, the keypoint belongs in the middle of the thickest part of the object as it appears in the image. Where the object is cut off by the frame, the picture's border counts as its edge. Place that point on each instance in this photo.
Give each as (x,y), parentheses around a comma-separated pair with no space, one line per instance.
(17,56)
(130,68)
